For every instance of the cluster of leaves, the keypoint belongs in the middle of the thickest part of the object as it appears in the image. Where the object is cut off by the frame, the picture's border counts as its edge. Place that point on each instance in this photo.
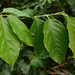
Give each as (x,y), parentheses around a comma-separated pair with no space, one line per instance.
(52,32)
(49,33)
(27,64)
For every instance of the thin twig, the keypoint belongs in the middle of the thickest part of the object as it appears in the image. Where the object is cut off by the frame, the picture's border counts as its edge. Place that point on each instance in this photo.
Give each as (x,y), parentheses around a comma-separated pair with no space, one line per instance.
(60,65)
(46,15)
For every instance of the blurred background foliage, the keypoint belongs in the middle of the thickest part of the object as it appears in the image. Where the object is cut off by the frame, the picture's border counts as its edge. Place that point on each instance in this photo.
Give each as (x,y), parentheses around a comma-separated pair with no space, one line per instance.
(28,62)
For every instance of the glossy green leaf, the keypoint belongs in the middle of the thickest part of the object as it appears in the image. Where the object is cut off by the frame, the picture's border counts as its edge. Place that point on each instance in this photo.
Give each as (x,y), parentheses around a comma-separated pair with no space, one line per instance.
(9,43)
(55,39)
(17,12)
(37,29)
(20,29)
(71,31)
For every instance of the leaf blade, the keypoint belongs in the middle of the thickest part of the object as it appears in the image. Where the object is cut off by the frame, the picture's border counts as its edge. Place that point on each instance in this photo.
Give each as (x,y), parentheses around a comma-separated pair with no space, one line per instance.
(20,29)
(8,52)
(71,31)
(55,38)
(37,30)
(17,12)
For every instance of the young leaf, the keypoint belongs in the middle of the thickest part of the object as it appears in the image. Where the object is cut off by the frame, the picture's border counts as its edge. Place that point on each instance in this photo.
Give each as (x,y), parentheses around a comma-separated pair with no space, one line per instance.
(17,12)
(55,39)
(20,29)
(9,43)
(37,29)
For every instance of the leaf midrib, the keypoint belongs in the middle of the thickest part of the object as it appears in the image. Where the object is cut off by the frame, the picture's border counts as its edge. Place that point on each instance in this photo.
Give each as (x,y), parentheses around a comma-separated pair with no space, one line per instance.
(53,36)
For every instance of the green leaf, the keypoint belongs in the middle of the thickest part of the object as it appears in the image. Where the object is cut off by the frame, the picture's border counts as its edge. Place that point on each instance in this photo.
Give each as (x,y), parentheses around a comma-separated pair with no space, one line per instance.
(33,28)
(24,67)
(55,39)
(17,12)
(71,31)
(72,4)
(20,29)
(36,62)
(29,12)
(40,0)
(9,43)
(6,70)
(37,29)
(49,1)
(44,55)
(43,3)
